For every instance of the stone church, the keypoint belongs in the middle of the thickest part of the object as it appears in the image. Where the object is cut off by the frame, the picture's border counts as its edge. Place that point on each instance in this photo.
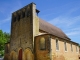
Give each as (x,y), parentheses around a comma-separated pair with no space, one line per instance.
(35,39)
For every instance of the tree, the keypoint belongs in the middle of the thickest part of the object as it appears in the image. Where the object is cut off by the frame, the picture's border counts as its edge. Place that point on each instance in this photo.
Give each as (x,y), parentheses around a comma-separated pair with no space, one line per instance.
(4,38)
(7,36)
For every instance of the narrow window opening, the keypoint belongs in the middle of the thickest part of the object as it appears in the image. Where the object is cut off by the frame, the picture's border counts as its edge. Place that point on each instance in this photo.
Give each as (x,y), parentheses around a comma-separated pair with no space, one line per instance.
(28,13)
(18,17)
(57,45)
(71,48)
(48,43)
(14,19)
(76,49)
(65,46)
(23,14)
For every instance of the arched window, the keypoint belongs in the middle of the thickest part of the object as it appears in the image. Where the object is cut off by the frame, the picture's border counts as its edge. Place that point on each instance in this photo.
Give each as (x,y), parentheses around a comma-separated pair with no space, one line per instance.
(42,44)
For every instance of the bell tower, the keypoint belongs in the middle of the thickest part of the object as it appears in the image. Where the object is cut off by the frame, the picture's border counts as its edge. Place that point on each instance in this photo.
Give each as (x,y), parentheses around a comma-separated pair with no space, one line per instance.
(24,27)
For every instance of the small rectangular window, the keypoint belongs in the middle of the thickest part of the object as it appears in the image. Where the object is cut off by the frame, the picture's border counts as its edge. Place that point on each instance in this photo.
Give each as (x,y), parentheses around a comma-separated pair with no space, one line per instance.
(71,48)
(65,46)
(57,45)
(76,49)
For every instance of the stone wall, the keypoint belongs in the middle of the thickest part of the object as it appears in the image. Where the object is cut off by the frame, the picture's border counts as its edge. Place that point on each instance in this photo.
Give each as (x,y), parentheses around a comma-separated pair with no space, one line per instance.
(42,47)
(22,29)
(61,54)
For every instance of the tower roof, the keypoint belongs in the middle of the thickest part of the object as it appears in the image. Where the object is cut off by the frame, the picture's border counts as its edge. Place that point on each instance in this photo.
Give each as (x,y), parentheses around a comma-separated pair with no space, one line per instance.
(51,29)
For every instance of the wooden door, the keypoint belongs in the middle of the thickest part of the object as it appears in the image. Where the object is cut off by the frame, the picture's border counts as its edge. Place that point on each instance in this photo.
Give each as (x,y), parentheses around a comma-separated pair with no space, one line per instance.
(20,55)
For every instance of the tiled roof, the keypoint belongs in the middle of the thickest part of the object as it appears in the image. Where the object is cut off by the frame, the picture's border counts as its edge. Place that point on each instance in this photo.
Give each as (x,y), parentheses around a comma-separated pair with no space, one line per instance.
(51,29)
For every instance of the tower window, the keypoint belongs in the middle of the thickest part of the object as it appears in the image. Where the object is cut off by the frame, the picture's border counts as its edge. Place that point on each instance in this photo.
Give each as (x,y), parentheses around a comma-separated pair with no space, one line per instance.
(23,14)
(28,13)
(57,45)
(13,18)
(42,44)
(18,17)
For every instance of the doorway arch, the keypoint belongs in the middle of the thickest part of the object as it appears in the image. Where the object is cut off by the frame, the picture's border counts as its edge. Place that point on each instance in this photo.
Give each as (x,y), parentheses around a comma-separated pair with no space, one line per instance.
(28,55)
(20,54)
(13,55)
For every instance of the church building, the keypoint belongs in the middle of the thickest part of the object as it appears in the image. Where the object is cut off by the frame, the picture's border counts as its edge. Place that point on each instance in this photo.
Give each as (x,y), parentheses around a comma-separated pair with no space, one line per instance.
(35,39)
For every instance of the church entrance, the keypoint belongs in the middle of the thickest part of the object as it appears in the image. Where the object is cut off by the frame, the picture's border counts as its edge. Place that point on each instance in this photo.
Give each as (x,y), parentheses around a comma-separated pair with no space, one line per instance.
(20,55)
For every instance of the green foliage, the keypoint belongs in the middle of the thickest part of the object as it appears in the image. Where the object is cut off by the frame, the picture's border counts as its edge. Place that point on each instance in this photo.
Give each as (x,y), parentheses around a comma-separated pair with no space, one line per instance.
(4,38)
(1,52)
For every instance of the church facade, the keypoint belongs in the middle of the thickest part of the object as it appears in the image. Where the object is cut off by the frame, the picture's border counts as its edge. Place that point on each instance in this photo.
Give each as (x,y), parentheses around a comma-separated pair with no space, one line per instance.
(35,39)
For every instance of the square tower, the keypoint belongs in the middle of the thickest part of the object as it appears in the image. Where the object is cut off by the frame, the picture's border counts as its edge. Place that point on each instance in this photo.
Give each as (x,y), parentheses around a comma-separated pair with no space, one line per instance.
(24,26)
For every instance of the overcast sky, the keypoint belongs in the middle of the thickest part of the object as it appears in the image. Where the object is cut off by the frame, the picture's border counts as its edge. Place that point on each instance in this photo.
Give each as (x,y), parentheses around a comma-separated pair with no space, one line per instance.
(64,14)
